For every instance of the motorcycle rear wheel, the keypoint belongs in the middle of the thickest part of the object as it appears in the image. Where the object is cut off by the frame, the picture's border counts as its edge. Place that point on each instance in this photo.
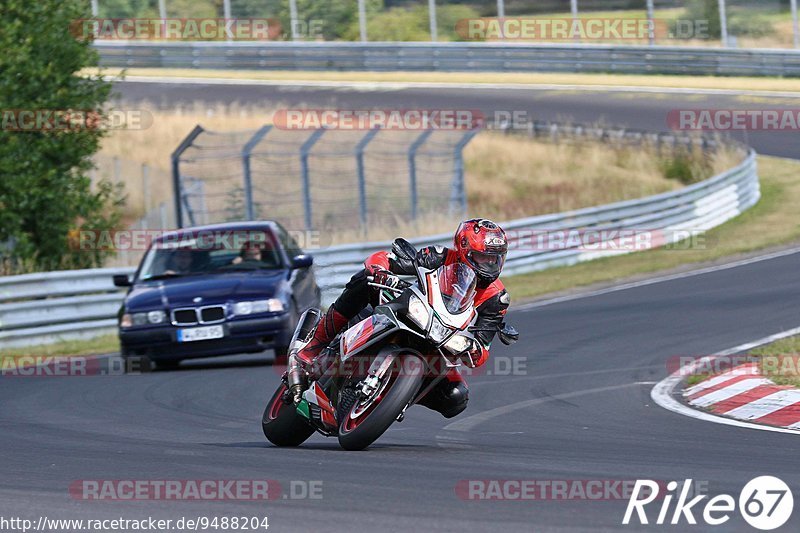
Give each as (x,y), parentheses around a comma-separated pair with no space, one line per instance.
(281,423)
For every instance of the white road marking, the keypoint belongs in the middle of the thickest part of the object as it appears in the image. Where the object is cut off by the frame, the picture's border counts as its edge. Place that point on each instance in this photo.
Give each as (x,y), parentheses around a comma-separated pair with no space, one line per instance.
(730,391)
(662,393)
(766,405)
(469,422)
(395,85)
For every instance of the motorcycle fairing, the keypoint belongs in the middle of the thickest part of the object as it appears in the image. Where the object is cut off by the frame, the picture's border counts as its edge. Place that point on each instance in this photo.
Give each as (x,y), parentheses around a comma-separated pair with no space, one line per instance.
(366,332)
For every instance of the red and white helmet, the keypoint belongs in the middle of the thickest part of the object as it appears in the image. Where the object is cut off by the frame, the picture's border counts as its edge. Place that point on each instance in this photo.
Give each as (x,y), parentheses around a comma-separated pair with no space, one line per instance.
(482,245)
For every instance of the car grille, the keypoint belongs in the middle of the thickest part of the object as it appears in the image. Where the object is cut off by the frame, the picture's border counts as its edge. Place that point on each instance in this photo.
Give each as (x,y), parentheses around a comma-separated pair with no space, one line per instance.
(202,315)
(212,314)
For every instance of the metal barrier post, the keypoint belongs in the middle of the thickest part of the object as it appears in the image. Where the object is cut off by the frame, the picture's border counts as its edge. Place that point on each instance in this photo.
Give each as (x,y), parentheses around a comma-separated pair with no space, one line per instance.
(248,181)
(176,171)
(362,179)
(458,197)
(304,150)
(412,170)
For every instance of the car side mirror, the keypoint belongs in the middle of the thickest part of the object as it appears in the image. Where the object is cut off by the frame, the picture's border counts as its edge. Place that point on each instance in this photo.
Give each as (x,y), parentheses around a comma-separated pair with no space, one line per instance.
(404,249)
(122,280)
(508,335)
(302,261)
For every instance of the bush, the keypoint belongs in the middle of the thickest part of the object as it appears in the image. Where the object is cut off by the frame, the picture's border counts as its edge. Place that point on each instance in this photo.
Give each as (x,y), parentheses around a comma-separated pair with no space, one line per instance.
(45,191)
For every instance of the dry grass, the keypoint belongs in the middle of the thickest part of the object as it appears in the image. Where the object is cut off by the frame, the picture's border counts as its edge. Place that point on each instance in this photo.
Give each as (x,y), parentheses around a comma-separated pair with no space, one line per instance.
(771,222)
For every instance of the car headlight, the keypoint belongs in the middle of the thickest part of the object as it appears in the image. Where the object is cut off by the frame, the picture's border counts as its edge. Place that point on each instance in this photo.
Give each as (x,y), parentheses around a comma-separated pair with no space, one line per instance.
(273,305)
(458,344)
(439,331)
(129,320)
(156,317)
(418,312)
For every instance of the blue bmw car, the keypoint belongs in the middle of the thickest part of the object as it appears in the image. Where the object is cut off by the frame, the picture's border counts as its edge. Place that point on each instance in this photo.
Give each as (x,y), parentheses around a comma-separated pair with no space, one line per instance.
(216,290)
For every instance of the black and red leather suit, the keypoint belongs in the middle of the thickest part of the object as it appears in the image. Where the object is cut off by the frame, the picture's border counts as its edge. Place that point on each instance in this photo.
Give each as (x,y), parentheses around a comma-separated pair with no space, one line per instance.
(450,396)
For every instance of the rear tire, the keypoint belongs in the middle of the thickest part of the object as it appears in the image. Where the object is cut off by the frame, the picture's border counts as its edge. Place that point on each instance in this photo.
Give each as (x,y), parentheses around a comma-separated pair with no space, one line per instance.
(281,424)
(358,433)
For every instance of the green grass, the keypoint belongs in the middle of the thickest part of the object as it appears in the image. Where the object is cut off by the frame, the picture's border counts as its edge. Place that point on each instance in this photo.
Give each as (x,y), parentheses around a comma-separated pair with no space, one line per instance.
(780,361)
(98,345)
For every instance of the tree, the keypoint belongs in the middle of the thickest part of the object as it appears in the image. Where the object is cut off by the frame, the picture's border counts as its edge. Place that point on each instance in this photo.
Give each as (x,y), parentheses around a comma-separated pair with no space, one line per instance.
(45,191)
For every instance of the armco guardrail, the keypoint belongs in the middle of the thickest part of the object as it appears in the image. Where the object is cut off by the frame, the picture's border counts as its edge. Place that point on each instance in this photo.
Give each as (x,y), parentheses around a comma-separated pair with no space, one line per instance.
(425,56)
(47,307)
(86,302)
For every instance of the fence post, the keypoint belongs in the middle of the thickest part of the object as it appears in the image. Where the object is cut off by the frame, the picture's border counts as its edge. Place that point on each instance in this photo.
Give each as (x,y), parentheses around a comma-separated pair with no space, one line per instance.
(362,179)
(574,10)
(248,180)
(432,20)
(458,196)
(412,170)
(651,21)
(146,187)
(304,150)
(162,211)
(176,171)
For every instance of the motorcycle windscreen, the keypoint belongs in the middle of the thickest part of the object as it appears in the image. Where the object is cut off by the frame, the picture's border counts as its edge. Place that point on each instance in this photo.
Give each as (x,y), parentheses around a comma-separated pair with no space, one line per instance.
(363,333)
(457,284)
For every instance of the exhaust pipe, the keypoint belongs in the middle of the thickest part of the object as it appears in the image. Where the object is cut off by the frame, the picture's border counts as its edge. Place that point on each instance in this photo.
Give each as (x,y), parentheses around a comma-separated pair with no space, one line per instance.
(297,378)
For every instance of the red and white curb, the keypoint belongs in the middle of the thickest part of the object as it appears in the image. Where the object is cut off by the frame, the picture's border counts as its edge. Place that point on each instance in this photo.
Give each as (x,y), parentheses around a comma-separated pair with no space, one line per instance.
(744,394)
(664,392)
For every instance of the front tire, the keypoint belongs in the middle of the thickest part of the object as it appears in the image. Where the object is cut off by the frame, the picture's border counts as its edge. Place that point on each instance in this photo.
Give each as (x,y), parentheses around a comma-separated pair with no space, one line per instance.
(281,424)
(358,432)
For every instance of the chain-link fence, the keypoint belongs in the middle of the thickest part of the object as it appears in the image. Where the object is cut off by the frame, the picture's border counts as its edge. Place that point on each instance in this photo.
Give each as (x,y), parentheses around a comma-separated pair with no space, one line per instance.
(319,179)
(733,23)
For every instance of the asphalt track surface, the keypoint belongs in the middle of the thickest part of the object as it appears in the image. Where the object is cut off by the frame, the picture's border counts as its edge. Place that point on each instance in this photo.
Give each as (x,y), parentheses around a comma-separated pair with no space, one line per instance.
(578,407)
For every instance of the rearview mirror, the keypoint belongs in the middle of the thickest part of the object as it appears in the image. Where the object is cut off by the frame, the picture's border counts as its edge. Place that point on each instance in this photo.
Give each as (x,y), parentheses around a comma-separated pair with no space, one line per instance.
(302,261)
(122,280)
(508,335)
(404,249)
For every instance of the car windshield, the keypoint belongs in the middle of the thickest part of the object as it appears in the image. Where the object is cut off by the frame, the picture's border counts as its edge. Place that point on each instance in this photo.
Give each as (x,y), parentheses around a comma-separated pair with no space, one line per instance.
(457,284)
(198,256)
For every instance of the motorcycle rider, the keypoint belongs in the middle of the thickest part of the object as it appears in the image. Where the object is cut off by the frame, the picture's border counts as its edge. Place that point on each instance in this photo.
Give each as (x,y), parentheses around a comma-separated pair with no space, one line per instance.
(478,243)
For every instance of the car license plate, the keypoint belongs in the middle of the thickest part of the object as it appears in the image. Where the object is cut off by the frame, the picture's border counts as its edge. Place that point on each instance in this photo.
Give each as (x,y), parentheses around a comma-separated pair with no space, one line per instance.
(200,334)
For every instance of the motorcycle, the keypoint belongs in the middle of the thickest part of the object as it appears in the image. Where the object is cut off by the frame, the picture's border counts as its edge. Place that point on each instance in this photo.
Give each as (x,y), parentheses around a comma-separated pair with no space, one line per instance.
(372,372)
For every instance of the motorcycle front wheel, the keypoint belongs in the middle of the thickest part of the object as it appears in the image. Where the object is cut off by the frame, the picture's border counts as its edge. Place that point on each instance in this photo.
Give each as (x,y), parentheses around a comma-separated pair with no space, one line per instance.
(369,418)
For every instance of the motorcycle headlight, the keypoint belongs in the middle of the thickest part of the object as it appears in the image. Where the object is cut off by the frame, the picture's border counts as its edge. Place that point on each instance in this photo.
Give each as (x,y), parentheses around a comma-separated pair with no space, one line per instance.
(458,344)
(439,331)
(418,312)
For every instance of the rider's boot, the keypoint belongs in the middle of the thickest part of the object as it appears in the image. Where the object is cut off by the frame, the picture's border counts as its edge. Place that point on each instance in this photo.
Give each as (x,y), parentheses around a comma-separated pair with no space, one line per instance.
(301,363)
(328,327)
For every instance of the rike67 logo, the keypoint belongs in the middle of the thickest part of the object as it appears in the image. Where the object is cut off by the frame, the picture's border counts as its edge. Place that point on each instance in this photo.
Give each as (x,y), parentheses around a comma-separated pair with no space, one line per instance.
(765,503)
